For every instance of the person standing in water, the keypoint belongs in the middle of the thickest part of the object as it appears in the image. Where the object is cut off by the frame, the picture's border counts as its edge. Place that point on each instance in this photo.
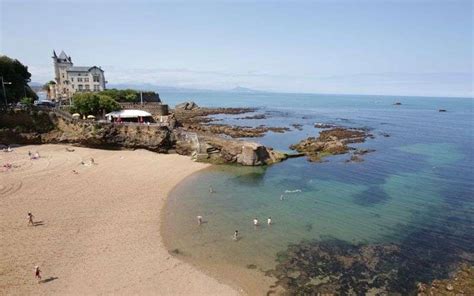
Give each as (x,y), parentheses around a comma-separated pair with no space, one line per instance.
(281,197)
(211,190)
(255,222)
(236,235)
(199,220)
(269,221)
(30,219)
(38,273)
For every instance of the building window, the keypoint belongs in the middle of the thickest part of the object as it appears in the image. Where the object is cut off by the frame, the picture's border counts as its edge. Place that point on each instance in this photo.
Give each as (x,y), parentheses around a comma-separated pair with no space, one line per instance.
(87,87)
(63,75)
(80,87)
(79,79)
(86,79)
(72,79)
(72,85)
(96,78)
(96,87)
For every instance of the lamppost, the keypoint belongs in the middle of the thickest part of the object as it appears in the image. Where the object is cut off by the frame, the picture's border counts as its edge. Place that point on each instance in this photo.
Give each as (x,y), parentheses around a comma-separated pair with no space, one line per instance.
(4,92)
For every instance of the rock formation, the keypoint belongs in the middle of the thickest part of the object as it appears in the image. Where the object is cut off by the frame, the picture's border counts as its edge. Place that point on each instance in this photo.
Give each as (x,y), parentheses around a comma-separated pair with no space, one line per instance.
(330,142)
(87,133)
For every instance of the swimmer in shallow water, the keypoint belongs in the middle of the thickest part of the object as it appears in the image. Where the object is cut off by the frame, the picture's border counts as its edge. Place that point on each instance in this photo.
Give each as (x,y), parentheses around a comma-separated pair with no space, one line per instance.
(255,222)
(236,235)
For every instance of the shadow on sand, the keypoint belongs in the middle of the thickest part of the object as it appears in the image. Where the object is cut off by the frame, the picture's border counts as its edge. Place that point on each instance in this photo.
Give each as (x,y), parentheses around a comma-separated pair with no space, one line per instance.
(50,279)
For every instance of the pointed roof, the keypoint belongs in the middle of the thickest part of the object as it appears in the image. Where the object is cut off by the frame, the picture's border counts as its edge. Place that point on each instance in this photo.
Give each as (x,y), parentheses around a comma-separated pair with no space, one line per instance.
(63,55)
(54,54)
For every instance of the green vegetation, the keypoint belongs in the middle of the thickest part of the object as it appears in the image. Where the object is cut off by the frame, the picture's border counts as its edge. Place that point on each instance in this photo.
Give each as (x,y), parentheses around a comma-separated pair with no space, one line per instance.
(93,104)
(127,95)
(27,102)
(17,74)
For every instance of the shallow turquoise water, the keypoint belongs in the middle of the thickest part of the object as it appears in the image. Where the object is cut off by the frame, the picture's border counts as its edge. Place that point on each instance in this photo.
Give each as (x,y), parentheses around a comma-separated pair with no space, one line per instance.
(417,187)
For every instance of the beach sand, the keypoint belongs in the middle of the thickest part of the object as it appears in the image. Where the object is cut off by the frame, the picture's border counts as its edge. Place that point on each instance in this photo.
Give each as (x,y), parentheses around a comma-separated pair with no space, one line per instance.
(99,229)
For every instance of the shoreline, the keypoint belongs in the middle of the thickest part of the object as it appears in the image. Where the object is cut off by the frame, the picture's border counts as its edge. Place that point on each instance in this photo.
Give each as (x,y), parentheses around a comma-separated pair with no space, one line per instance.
(100,237)
(241,279)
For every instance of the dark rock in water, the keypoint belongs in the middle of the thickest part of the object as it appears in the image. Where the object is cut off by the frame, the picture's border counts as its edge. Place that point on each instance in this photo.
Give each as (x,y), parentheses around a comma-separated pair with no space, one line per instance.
(256,116)
(355,158)
(385,135)
(363,151)
(442,110)
(297,126)
(397,103)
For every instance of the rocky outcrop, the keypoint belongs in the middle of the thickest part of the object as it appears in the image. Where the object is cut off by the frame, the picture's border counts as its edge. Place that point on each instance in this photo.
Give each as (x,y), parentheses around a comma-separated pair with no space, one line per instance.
(187,106)
(330,142)
(235,131)
(93,134)
(218,150)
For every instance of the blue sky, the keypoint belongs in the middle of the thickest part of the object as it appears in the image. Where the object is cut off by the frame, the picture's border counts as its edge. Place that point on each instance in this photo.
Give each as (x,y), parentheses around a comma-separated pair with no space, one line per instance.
(361,47)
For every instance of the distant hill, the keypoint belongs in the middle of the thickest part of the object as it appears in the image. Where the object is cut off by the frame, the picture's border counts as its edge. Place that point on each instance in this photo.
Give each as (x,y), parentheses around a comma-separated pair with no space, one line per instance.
(162,88)
(244,90)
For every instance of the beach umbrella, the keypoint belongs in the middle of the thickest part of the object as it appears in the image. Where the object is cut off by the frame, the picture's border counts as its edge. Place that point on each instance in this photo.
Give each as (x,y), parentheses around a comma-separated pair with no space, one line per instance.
(76,115)
(90,117)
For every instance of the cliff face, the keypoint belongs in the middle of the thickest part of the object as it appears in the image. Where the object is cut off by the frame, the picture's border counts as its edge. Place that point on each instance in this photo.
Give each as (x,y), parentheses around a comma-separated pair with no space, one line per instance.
(54,127)
(90,134)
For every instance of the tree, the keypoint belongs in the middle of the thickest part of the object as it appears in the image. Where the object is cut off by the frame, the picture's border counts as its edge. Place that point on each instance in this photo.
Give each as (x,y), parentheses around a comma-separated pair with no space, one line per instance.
(93,103)
(15,72)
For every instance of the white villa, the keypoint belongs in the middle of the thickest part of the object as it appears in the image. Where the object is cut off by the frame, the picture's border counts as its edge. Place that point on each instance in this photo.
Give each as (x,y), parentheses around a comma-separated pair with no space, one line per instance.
(71,79)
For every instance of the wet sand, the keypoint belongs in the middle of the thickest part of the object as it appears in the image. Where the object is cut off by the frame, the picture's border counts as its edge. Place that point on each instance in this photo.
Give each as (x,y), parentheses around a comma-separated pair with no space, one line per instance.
(98,230)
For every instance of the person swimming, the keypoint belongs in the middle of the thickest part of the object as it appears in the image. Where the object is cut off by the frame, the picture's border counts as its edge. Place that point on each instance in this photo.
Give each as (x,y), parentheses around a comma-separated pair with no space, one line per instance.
(255,222)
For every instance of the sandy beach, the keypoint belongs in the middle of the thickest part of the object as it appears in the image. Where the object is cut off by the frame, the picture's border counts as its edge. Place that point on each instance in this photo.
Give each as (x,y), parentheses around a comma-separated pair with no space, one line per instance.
(97,230)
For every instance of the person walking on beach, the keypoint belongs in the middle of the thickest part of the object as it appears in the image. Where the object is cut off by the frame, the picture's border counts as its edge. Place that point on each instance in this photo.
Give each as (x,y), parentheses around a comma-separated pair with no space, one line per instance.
(269,221)
(199,220)
(255,222)
(38,273)
(236,235)
(30,219)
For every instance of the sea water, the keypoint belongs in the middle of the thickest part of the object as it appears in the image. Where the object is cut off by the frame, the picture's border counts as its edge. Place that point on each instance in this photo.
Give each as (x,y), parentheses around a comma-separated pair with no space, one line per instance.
(415,190)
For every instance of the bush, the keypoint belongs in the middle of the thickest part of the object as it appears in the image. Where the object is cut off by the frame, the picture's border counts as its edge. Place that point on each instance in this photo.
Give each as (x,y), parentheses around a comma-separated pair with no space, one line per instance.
(93,104)
(27,102)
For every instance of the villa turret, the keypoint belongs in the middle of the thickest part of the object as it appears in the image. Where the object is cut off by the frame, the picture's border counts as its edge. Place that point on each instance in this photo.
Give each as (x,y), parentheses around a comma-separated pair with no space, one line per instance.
(71,79)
